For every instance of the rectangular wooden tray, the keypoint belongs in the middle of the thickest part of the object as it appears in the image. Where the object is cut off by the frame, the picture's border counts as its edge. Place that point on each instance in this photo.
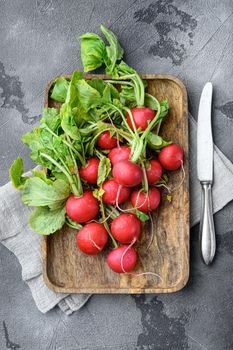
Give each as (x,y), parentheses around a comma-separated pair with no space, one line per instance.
(67,270)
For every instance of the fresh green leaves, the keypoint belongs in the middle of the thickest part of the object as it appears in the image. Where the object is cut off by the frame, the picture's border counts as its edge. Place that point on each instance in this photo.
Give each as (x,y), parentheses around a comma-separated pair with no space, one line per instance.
(59,90)
(87,95)
(68,123)
(16,172)
(38,193)
(33,140)
(124,72)
(114,51)
(104,170)
(156,142)
(51,119)
(48,196)
(42,175)
(92,51)
(97,84)
(72,97)
(46,221)
(123,69)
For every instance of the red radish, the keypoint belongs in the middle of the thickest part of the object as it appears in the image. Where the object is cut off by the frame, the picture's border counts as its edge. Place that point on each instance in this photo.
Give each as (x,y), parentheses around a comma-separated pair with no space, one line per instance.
(83,208)
(127,173)
(122,259)
(126,228)
(154,171)
(141,117)
(171,157)
(105,141)
(145,202)
(119,153)
(111,188)
(89,173)
(92,238)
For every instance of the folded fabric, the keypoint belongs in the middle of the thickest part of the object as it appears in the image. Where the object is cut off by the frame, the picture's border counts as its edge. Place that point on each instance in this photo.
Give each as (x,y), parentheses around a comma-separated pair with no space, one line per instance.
(16,235)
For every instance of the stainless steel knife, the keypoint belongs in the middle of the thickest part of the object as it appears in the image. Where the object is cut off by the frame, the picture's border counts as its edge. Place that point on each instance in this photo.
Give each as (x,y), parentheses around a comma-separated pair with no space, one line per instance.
(205,161)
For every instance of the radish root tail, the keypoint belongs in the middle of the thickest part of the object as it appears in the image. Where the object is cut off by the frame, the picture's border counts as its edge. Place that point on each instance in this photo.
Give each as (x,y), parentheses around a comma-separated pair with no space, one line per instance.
(93,242)
(145,273)
(171,190)
(137,198)
(163,185)
(117,202)
(129,209)
(126,250)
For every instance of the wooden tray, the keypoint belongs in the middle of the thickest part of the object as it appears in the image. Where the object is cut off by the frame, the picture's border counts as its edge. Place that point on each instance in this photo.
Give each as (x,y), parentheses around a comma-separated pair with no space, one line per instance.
(67,270)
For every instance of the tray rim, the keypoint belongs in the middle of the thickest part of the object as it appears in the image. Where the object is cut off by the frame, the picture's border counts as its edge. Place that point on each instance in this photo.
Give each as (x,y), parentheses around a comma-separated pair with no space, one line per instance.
(184,279)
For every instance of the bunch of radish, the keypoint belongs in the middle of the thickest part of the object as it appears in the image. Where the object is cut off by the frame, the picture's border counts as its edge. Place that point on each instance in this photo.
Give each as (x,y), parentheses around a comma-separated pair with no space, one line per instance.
(134,177)
(129,182)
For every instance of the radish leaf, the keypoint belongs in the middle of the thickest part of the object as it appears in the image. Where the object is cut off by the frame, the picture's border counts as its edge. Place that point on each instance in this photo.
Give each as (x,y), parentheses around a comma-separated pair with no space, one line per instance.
(46,221)
(88,96)
(98,193)
(92,51)
(59,90)
(114,51)
(68,123)
(16,172)
(37,192)
(97,84)
(104,170)
(42,175)
(51,118)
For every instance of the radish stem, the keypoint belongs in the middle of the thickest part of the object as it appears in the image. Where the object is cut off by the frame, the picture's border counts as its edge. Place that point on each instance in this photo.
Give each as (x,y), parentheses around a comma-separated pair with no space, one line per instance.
(72,224)
(106,224)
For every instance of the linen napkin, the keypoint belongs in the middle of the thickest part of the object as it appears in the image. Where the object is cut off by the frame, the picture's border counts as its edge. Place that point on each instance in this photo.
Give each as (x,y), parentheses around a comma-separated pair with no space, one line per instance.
(16,235)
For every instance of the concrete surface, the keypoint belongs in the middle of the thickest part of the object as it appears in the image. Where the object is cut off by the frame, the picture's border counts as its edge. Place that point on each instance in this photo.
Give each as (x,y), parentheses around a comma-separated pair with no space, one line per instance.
(191,39)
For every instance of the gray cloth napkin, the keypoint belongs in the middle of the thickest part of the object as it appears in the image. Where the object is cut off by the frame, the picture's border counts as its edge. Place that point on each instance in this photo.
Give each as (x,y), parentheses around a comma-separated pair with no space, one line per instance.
(16,235)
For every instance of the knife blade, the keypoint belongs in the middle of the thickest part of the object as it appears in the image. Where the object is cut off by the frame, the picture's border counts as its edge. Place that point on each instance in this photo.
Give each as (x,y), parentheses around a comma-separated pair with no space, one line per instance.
(205,174)
(204,136)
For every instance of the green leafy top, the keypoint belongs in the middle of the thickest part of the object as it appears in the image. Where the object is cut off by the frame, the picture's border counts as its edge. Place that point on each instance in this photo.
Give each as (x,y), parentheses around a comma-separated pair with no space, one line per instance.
(46,221)
(114,51)
(59,90)
(92,51)
(38,193)
(104,170)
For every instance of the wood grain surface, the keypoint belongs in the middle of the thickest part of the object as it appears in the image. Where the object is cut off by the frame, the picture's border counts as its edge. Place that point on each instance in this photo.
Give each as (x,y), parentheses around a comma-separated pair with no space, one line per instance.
(66,269)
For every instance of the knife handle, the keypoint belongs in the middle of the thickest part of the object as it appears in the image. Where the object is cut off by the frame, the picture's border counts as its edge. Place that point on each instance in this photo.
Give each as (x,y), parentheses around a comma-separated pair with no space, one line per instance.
(207,231)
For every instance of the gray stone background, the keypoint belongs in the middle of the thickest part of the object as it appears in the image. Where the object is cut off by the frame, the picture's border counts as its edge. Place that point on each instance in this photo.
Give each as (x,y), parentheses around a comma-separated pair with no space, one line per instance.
(190,39)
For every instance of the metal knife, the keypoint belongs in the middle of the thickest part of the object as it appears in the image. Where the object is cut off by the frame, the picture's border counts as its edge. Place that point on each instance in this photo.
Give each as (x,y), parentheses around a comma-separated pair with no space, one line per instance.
(205,162)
